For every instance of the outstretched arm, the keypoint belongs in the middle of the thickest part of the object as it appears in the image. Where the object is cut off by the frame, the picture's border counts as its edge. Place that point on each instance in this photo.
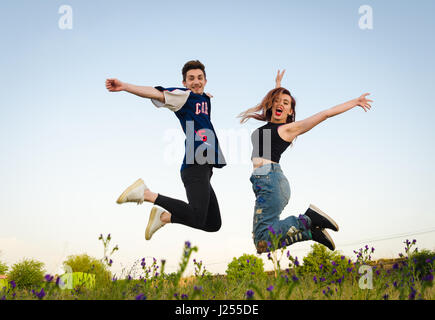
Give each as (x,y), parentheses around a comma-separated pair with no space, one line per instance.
(292,130)
(115,85)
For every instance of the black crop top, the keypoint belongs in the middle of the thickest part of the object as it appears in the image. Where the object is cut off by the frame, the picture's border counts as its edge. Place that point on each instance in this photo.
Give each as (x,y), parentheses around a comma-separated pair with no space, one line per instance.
(267,143)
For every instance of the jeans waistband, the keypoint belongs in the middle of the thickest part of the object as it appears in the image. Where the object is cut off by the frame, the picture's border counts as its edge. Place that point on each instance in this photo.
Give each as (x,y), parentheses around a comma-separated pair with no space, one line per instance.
(265,169)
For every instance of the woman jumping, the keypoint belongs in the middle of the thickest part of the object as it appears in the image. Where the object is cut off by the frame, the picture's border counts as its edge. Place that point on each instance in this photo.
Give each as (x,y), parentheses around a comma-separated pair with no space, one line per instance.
(271,187)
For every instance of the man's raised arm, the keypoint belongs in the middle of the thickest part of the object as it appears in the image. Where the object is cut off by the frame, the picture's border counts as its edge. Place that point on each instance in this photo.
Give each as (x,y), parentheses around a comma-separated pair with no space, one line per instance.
(115,85)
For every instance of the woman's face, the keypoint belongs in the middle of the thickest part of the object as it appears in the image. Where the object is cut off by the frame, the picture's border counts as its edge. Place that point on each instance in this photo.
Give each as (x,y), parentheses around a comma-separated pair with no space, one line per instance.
(281,109)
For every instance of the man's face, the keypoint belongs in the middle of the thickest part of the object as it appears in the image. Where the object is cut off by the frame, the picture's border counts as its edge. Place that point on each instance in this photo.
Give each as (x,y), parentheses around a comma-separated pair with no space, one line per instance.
(195,81)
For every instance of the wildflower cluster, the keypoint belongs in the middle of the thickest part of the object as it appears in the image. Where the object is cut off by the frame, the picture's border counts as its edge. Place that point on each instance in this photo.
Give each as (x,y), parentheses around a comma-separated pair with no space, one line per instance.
(322,274)
(200,270)
(107,253)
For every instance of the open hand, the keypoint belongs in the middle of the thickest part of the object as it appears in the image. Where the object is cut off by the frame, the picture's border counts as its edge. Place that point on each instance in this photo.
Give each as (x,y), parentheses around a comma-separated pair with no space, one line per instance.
(363,102)
(278,78)
(114,85)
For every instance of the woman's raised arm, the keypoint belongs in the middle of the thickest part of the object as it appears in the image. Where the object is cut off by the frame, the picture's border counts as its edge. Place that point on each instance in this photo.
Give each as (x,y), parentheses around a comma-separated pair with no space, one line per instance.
(294,129)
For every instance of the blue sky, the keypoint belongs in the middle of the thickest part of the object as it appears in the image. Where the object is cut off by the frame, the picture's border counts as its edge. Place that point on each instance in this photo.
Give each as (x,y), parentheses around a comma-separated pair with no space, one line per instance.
(70,147)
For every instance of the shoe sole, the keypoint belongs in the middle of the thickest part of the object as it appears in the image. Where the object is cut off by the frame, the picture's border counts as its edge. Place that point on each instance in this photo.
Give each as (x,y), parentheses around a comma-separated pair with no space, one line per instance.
(150,222)
(329,238)
(313,207)
(123,197)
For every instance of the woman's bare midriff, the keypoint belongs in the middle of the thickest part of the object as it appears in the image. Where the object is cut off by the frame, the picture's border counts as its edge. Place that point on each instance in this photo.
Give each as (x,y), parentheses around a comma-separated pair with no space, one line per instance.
(258,162)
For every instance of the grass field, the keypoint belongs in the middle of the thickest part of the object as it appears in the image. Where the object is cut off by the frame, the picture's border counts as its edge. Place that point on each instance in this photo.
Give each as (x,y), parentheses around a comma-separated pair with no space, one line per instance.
(339,279)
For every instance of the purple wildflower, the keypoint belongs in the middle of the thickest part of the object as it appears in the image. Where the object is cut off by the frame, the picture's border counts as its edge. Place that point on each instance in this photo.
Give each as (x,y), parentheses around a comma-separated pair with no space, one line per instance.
(270,288)
(294,278)
(141,297)
(270,228)
(334,263)
(321,266)
(48,278)
(412,294)
(249,294)
(13,284)
(428,278)
(187,244)
(296,262)
(184,296)
(40,294)
(315,279)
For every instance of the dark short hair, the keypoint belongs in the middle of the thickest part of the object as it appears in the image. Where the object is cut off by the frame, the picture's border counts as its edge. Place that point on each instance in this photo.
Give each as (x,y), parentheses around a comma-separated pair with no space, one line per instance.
(190,65)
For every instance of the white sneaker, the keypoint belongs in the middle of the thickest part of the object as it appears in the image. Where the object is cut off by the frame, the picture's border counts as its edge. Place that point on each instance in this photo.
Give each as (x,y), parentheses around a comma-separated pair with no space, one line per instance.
(154,222)
(133,193)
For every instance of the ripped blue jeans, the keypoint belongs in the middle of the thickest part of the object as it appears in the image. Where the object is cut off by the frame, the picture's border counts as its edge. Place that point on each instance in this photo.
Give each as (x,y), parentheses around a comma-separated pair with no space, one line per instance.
(272,192)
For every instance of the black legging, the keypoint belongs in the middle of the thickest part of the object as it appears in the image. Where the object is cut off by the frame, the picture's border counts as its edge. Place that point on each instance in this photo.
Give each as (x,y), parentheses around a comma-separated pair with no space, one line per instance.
(202,211)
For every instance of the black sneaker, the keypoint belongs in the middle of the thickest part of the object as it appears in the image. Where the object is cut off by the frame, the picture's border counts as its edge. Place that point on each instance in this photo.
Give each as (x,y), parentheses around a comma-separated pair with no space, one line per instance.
(322,237)
(320,219)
